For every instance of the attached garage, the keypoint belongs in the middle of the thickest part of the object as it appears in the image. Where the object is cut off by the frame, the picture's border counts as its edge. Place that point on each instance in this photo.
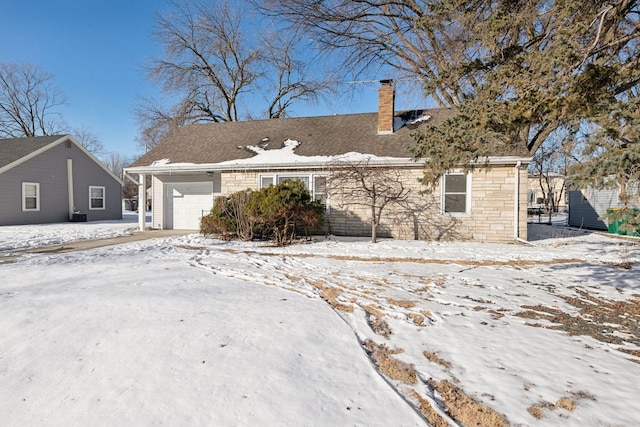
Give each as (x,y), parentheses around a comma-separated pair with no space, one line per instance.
(186,203)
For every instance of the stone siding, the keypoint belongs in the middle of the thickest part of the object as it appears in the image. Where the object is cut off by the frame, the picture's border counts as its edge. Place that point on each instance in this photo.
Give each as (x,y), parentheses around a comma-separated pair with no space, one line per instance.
(490,217)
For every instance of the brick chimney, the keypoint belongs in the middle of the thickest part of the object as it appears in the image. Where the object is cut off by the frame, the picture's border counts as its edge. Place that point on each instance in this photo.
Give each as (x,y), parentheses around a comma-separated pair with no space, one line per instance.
(386,99)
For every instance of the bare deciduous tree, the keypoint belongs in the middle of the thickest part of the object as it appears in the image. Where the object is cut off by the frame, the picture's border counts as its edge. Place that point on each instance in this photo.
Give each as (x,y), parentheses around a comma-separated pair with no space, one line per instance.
(550,163)
(89,140)
(372,186)
(28,102)
(116,163)
(209,60)
(217,66)
(154,123)
(289,78)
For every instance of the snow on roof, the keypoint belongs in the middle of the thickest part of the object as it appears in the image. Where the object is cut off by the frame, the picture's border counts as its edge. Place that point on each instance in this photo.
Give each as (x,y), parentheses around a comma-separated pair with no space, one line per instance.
(287,155)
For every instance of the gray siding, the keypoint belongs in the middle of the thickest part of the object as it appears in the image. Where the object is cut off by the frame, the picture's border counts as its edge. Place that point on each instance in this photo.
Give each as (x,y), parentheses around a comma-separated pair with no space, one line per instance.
(586,208)
(49,169)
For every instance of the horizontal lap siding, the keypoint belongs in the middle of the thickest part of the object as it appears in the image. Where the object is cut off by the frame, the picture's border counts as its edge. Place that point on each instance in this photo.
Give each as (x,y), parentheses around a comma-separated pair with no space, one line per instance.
(86,173)
(49,169)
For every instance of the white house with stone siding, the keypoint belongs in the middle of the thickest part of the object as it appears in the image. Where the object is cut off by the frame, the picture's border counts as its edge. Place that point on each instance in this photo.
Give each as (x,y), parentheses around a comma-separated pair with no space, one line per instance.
(200,162)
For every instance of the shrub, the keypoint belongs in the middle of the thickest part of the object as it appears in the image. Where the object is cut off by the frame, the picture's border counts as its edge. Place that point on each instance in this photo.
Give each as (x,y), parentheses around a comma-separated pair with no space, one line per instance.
(228,218)
(278,213)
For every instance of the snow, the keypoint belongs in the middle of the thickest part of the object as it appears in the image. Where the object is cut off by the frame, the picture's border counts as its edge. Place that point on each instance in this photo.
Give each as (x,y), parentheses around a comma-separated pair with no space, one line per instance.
(285,156)
(195,331)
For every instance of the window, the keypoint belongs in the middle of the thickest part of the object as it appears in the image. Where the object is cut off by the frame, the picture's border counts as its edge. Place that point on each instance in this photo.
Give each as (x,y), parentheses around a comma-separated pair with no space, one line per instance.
(96,198)
(303,178)
(30,196)
(455,193)
(266,181)
(317,190)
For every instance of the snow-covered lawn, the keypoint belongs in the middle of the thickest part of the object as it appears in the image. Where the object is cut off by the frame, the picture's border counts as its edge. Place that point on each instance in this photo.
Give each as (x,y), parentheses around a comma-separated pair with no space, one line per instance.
(195,331)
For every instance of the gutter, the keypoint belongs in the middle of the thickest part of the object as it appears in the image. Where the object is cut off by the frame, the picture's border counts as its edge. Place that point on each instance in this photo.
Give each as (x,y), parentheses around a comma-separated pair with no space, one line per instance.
(178,168)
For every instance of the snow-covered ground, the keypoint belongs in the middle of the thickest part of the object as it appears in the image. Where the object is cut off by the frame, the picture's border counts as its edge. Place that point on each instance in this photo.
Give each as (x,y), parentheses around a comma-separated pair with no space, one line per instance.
(194,331)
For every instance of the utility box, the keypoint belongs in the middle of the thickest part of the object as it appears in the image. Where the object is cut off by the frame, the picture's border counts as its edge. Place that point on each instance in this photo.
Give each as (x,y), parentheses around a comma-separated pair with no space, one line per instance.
(78,217)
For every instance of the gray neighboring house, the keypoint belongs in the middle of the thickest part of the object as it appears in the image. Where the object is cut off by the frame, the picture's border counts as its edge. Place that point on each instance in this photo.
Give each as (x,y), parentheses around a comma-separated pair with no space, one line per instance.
(55,179)
(588,206)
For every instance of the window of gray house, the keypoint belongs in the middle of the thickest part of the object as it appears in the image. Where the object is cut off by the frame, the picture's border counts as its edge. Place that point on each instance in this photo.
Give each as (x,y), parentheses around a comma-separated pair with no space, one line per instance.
(96,198)
(30,196)
(455,193)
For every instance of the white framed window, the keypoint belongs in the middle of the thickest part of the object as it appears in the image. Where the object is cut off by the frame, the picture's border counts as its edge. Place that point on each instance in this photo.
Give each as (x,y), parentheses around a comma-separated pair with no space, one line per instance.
(320,188)
(456,193)
(30,196)
(96,198)
(315,183)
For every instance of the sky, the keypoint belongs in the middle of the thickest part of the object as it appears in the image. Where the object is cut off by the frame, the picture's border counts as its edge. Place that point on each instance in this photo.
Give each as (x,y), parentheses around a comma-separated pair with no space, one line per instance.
(96,52)
(189,330)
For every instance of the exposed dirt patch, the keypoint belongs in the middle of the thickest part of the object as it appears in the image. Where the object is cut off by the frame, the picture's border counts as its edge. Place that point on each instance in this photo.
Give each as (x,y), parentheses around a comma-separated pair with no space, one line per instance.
(401,303)
(466,410)
(609,321)
(330,294)
(379,325)
(568,403)
(192,248)
(517,263)
(432,357)
(427,410)
(417,319)
(393,368)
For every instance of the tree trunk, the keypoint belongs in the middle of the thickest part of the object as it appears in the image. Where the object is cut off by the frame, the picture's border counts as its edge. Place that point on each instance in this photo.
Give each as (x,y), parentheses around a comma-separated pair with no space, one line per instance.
(374,225)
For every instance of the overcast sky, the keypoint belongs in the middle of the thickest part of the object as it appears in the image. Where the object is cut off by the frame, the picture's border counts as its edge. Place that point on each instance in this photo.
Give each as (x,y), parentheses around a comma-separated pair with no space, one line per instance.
(96,51)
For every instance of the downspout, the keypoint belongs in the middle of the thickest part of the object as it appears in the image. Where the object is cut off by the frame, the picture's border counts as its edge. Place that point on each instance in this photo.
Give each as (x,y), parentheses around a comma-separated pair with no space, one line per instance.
(70,188)
(142,201)
(516,204)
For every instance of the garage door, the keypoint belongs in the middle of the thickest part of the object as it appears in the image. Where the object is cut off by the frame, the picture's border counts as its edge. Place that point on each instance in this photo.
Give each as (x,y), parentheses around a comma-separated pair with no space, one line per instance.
(186,203)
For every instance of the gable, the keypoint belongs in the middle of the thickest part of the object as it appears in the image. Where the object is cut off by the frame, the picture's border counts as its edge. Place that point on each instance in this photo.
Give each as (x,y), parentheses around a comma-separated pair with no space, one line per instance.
(16,151)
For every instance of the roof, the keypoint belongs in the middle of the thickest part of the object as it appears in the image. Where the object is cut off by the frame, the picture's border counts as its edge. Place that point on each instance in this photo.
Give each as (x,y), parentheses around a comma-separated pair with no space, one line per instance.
(15,151)
(318,136)
(16,148)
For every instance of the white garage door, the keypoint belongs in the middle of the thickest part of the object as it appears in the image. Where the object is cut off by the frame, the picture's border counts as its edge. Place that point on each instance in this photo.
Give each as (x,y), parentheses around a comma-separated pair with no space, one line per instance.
(186,203)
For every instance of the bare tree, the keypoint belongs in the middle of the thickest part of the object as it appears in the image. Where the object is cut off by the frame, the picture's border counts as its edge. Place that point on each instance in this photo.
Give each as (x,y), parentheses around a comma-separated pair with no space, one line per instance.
(209,60)
(88,139)
(216,65)
(289,78)
(154,123)
(116,163)
(362,183)
(28,102)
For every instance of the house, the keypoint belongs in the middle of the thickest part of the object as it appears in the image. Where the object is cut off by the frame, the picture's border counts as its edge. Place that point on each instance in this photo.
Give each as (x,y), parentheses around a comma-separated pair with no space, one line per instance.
(55,179)
(537,198)
(199,162)
(588,206)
